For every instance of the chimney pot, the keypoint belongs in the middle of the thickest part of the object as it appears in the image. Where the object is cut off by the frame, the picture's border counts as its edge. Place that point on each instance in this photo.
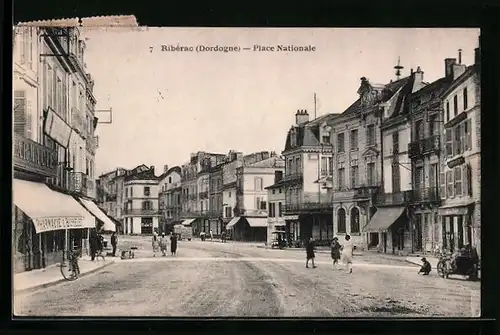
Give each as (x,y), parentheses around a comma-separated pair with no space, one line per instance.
(459,56)
(411,71)
(418,69)
(448,66)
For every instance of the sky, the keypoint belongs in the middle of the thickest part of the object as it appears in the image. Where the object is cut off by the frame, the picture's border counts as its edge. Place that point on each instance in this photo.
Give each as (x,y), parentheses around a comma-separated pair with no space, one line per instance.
(167,105)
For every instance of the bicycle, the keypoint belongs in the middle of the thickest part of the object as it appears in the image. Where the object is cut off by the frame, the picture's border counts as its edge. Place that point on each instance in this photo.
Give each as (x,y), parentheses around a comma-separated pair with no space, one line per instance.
(70,270)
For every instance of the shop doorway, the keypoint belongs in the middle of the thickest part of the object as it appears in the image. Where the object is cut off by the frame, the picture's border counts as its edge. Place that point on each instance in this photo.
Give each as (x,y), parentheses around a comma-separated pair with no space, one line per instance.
(147,225)
(460,232)
(374,240)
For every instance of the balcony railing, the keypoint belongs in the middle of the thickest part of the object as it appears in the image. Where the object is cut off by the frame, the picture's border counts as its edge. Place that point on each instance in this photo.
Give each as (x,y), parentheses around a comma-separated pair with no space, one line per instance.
(425,146)
(426,194)
(356,192)
(78,122)
(307,206)
(141,212)
(394,199)
(78,182)
(293,176)
(33,157)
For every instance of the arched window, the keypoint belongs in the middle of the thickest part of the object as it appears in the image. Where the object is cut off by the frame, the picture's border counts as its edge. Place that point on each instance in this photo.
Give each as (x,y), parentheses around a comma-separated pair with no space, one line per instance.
(341,228)
(354,220)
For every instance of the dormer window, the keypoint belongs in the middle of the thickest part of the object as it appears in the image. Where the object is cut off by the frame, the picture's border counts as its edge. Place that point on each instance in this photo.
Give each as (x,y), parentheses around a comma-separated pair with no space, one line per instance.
(293,138)
(326,139)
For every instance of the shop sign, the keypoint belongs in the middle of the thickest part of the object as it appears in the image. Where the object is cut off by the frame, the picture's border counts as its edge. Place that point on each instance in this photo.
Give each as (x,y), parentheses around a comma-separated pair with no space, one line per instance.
(456,162)
(57,223)
(31,156)
(56,128)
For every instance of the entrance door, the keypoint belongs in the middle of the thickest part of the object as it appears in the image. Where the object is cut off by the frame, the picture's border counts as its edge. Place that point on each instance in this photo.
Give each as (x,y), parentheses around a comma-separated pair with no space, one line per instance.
(460,232)
(374,239)
(451,235)
(385,241)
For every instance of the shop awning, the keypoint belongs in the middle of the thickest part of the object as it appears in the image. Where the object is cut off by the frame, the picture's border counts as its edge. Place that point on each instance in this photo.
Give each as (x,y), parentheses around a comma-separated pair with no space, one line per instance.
(257,222)
(233,222)
(187,222)
(50,210)
(92,207)
(384,218)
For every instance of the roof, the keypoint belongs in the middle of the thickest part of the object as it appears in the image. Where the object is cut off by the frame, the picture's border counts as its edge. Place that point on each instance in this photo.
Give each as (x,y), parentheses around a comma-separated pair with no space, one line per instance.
(274,161)
(308,133)
(170,171)
(469,71)
(145,175)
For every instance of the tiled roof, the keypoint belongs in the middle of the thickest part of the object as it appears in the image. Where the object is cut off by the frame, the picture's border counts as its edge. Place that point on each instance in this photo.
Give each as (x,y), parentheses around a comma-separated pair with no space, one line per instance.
(269,162)
(308,134)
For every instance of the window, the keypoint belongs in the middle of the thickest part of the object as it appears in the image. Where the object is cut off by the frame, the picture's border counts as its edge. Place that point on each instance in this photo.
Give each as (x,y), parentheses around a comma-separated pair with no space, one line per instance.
(442,189)
(340,142)
(271,210)
(458,181)
(126,192)
(395,142)
(370,174)
(326,139)
(170,180)
(280,209)
(341,227)
(449,143)
(354,220)
(274,191)
(22,114)
(258,183)
(432,125)
(370,135)
(468,177)
(455,105)
(449,184)
(341,178)
(419,178)
(419,130)
(147,191)
(354,176)
(131,191)
(447,111)
(468,134)
(432,176)
(324,166)
(297,165)
(396,178)
(465,99)
(458,140)
(147,205)
(354,139)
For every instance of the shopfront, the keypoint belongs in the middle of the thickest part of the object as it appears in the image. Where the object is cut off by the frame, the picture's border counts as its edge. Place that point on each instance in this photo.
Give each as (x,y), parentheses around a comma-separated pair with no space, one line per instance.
(457,226)
(45,223)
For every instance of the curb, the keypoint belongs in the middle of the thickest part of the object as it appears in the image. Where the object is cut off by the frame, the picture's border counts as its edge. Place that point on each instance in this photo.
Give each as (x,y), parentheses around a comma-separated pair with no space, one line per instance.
(61,280)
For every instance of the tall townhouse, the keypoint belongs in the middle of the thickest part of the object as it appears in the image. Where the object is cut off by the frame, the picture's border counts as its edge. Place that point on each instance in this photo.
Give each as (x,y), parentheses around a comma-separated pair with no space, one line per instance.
(308,178)
(275,206)
(391,221)
(172,197)
(110,194)
(162,199)
(189,195)
(216,199)
(252,178)
(141,211)
(424,152)
(358,170)
(44,61)
(232,161)
(460,179)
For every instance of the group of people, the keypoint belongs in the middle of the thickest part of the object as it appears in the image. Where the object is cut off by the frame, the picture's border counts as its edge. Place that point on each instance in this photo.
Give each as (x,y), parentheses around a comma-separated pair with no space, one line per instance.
(159,244)
(339,251)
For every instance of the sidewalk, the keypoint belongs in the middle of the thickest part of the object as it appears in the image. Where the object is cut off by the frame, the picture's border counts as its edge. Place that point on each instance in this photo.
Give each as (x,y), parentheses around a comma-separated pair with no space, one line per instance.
(51,275)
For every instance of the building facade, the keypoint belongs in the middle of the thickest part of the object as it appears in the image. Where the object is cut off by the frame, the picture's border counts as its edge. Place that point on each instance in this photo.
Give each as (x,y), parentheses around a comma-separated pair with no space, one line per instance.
(275,206)
(45,62)
(141,211)
(252,178)
(358,163)
(216,197)
(170,197)
(232,162)
(460,180)
(308,178)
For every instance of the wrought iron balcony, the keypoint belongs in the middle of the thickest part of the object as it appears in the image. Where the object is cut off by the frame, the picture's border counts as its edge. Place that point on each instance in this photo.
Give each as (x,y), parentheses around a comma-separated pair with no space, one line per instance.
(424,147)
(426,194)
(363,191)
(78,182)
(31,156)
(297,176)
(394,199)
(141,212)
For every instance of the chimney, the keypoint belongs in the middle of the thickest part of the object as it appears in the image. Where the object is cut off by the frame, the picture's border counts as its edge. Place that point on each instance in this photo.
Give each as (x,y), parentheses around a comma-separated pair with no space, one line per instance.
(266,155)
(165,168)
(301,117)
(459,56)
(278,176)
(152,169)
(458,70)
(273,153)
(448,66)
(418,79)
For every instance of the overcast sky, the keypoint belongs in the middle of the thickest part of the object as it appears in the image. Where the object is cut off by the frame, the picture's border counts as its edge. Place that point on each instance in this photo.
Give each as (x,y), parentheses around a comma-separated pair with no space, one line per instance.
(169,104)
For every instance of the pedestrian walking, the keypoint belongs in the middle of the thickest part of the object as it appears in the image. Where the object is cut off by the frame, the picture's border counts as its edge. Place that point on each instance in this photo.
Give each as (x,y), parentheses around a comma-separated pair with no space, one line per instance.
(173,244)
(93,243)
(100,243)
(155,243)
(211,235)
(335,251)
(310,252)
(347,250)
(114,242)
(163,244)
(223,237)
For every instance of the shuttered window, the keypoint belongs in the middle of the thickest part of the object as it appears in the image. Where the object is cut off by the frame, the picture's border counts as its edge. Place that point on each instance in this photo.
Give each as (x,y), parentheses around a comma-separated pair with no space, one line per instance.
(20,111)
(458,181)
(442,189)
(468,134)
(449,142)
(449,184)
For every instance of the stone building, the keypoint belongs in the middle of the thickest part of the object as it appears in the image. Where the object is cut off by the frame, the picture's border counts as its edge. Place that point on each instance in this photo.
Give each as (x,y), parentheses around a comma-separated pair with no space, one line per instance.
(170,198)
(216,198)
(308,178)
(275,206)
(460,179)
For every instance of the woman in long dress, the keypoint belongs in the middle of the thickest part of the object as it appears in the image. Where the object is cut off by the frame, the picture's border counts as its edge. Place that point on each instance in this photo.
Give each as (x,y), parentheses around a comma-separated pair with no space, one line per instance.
(310,252)
(335,251)
(173,244)
(155,244)
(163,244)
(347,250)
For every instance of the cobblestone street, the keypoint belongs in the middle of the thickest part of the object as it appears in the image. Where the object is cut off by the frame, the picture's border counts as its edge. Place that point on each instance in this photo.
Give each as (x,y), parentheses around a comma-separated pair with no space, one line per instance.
(235,279)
